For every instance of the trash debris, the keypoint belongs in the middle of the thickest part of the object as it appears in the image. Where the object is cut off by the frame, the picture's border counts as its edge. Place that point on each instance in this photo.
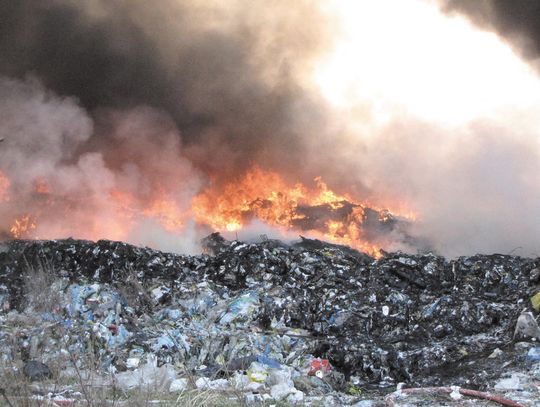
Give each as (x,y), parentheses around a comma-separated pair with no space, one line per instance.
(319,367)
(36,370)
(391,399)
(148,376)
(511,383)
(535,301)
(132,363)
(178,385)
(283,391)
(204,383)
(526,326)
(365,403)
(287,322)
(533,354)
(258,372)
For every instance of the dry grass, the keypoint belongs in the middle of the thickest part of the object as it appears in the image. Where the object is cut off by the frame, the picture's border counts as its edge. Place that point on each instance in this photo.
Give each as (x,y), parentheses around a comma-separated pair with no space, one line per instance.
(134,292)
(21,392)
(43,292)
(42,289)
(83,387)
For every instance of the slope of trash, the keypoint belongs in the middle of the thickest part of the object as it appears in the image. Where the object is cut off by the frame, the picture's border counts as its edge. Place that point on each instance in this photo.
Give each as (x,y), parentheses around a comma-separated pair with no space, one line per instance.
(302,323)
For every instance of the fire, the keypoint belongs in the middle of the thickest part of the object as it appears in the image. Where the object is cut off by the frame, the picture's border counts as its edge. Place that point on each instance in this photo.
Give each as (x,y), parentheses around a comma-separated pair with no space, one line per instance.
(4,187)
(41,186)
(164,209)
(22,226)
(123,201)
(294,207)
(167,212)
(316,211)
(327,196)
(261,194)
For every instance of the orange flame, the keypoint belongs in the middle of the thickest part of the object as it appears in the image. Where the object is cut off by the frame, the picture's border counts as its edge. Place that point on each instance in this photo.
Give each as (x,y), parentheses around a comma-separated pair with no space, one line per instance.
(4,187)
(317,211)
(22,226)
(259,193)
(266,196)
(164,209)
(124,202)
(167,212)
(41,186)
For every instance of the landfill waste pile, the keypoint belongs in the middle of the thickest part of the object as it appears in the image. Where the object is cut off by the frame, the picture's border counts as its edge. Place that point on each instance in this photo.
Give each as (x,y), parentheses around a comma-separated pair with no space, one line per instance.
(308,323)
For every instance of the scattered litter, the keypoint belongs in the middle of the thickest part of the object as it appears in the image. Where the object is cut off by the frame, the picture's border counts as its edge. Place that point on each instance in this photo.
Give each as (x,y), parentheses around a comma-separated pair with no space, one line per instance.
(496,353)
(534,354)
(36,370)
(319,367)
(514,382)
(535,301)
(526,326)
(297,323)
(148,376)
(205,383)
(178,385)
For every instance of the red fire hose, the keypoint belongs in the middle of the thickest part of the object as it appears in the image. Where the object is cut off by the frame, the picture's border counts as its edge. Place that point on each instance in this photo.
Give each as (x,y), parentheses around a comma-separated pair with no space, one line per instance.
(390,400)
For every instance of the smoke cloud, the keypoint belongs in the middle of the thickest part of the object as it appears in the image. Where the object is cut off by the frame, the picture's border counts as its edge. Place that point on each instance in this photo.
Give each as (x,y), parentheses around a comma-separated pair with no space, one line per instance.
(460,146)
(475,188)
(518,22)
(228,73)
(122,111)
(88,193)
(151,102)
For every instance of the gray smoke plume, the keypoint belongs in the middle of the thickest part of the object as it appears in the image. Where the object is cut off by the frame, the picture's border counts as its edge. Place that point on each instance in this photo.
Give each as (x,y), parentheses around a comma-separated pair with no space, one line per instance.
(92,193)
(475,189)
(150,99)
(120,106)
(228,73)
(518,22)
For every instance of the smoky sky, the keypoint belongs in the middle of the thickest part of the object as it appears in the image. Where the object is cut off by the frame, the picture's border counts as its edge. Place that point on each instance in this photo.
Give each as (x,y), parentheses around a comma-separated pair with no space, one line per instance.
(144,99)
(518,22)
(227,75)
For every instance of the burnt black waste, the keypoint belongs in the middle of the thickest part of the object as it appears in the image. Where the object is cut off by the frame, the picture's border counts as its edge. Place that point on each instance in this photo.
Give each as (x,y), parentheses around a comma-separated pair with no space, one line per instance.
(419,319)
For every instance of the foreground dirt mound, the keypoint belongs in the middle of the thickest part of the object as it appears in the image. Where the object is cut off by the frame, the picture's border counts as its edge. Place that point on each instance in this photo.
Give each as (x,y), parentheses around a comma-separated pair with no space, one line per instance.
(418,319)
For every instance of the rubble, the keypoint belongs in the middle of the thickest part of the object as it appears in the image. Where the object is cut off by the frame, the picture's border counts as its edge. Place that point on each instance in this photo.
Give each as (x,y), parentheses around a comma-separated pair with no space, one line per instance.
(35,370)
(294,323)
(526,326)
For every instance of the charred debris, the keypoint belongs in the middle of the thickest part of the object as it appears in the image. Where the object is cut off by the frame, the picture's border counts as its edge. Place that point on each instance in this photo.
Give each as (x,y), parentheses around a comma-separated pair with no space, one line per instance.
(330,317)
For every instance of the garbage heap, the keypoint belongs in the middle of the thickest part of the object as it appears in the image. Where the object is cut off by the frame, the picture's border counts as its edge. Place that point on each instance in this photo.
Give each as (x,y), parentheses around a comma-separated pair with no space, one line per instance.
(273,320)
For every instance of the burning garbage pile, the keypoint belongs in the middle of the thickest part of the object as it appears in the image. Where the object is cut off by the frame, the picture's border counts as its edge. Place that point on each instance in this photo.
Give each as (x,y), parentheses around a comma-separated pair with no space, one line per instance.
(300,322)
(256,195)
(319,211)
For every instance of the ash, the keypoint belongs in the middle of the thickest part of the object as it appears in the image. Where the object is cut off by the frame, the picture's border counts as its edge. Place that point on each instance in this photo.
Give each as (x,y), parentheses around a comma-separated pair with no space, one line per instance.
(306,323)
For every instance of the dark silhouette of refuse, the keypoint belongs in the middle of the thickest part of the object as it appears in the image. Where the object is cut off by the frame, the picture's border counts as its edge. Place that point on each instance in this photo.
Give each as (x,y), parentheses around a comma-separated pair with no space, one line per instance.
(35,370)
(414,318)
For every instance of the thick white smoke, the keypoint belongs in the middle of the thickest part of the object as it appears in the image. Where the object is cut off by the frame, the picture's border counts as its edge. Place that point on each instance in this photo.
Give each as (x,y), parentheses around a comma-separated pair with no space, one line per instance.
(474,188)
(412,109)
(442,118)
(114,191)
